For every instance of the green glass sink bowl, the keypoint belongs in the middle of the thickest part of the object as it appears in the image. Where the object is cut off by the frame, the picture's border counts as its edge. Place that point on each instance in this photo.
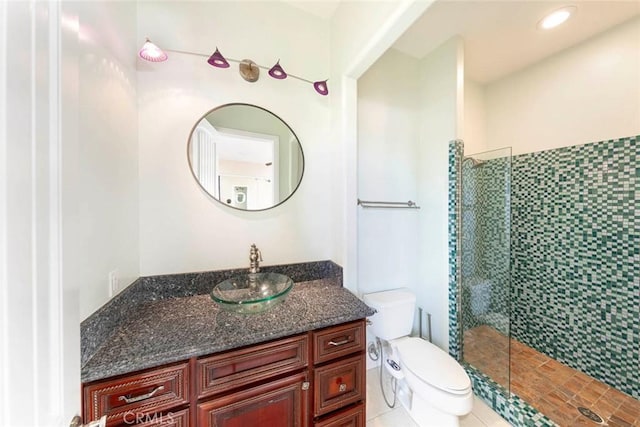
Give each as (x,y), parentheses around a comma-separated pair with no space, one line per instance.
(252,292)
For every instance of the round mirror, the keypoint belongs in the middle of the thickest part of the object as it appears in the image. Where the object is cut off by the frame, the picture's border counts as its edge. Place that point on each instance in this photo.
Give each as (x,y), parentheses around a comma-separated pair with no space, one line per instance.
(245,157)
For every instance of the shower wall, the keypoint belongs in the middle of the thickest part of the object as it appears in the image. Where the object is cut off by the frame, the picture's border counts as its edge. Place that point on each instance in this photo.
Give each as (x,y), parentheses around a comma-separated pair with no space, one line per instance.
(575,254)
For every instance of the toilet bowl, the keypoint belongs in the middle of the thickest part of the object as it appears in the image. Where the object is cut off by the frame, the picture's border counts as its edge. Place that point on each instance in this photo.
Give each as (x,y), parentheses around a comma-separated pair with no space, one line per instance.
(441,384)
(440,388)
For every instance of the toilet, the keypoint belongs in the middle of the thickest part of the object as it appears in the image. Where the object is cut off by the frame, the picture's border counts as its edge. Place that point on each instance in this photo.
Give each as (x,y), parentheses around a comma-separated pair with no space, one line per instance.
(435,389)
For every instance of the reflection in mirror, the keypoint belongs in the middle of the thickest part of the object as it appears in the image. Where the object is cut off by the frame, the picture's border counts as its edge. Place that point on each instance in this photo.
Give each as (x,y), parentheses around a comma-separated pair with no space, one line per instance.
(245,157)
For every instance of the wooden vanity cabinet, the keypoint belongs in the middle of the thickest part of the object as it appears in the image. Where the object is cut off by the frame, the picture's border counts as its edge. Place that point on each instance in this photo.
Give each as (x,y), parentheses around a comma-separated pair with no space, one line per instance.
(339,375)
(312,379)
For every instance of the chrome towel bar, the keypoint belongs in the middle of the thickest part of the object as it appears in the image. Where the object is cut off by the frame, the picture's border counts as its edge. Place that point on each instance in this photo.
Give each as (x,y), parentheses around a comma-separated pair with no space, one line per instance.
(388,205)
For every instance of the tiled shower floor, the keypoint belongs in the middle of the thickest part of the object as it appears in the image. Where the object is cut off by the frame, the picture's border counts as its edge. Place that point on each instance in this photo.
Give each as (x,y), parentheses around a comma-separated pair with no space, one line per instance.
(549,386)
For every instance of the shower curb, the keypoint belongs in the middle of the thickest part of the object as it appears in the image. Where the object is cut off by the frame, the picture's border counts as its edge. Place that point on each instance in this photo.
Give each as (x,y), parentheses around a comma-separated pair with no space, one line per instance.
(513,409)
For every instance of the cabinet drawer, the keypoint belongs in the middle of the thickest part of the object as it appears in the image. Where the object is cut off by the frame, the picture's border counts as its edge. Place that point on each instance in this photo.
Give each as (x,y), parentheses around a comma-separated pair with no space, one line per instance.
(236,368)
(353,416)
(169,419)
(338,341)
(338,384)
(135,395)
(279,403)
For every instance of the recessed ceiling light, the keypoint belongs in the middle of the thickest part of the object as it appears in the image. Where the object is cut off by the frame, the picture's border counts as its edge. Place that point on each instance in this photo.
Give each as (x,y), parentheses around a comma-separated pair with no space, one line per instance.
(556,17)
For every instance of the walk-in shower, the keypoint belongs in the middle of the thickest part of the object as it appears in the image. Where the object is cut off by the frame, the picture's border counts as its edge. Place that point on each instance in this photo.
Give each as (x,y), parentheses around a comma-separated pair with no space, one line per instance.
(547,281)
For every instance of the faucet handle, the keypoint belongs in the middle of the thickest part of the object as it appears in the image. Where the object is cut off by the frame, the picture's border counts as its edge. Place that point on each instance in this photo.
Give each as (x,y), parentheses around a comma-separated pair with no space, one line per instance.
(255,252)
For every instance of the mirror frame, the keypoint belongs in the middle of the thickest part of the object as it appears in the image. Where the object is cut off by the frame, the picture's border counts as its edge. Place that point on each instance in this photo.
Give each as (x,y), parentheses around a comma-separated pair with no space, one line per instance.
(268,112)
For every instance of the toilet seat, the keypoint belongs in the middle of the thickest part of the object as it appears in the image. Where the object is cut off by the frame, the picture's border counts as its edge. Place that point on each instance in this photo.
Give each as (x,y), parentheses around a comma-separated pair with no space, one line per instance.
(441,372)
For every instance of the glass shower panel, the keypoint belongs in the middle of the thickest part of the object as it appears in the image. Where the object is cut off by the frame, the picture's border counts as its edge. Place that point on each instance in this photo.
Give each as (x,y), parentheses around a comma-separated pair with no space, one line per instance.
(485,269)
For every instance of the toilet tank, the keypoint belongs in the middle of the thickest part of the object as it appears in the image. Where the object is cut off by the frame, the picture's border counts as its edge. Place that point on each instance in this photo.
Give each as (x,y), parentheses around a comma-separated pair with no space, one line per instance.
(394,312)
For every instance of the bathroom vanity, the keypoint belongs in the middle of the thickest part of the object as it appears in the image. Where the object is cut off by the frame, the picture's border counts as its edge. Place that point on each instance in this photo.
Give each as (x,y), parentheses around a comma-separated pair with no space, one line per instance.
(178,360)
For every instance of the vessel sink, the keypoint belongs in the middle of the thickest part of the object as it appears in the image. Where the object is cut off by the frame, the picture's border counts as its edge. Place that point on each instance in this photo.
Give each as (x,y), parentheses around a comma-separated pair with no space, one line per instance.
(252,292)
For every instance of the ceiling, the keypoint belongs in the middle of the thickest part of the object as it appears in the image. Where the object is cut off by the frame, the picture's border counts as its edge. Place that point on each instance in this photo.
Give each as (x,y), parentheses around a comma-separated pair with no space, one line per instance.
(501,37)
(323,9)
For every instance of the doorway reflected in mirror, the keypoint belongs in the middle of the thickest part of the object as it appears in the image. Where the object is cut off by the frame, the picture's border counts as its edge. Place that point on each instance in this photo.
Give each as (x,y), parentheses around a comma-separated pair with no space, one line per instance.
(245,157)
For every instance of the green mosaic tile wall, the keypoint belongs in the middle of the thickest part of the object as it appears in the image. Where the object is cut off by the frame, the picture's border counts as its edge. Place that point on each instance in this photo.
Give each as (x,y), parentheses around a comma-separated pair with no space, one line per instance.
(575,257)
(575,263)
(518,412)
(456,149)
(485,268)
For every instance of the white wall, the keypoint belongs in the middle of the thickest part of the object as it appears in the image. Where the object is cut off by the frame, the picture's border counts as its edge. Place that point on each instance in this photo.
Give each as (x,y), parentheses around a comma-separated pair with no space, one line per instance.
(387,170)
(474,133)
(101,172)
(181,228)
(441,85)
(354,48)
(349,41)
(590,92)
(408,111)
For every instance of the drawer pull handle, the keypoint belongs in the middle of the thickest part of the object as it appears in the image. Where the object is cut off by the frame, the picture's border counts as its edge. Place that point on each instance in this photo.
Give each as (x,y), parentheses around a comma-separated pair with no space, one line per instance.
(342,388)
(143,396)
(337,343)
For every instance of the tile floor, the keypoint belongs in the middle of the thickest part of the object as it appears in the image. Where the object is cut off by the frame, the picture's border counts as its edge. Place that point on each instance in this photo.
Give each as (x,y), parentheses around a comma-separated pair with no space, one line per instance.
(380,415)
(552,388)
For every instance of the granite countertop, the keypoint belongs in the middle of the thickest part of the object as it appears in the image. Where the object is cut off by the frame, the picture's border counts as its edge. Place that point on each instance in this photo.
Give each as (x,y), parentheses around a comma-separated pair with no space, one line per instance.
(177,328)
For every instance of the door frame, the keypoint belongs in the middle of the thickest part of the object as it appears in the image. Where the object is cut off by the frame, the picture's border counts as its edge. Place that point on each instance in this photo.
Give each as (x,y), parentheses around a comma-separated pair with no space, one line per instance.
(39,309)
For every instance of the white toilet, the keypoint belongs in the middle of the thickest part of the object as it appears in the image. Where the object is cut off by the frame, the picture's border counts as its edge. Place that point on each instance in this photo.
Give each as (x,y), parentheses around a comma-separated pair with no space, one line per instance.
(439,389)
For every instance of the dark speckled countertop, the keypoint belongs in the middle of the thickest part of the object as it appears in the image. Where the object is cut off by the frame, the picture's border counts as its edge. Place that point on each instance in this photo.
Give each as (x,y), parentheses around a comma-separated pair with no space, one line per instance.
(177,326)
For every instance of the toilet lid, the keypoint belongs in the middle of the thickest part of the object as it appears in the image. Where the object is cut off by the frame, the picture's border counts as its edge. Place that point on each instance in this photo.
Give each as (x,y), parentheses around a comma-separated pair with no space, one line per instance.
(433,366)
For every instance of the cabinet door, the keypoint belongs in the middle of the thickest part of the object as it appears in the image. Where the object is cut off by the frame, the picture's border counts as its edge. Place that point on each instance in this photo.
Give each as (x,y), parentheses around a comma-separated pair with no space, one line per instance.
(280,403)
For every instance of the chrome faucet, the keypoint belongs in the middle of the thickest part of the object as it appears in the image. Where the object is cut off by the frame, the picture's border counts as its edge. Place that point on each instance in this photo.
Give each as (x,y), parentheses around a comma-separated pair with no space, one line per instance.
(255,256)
